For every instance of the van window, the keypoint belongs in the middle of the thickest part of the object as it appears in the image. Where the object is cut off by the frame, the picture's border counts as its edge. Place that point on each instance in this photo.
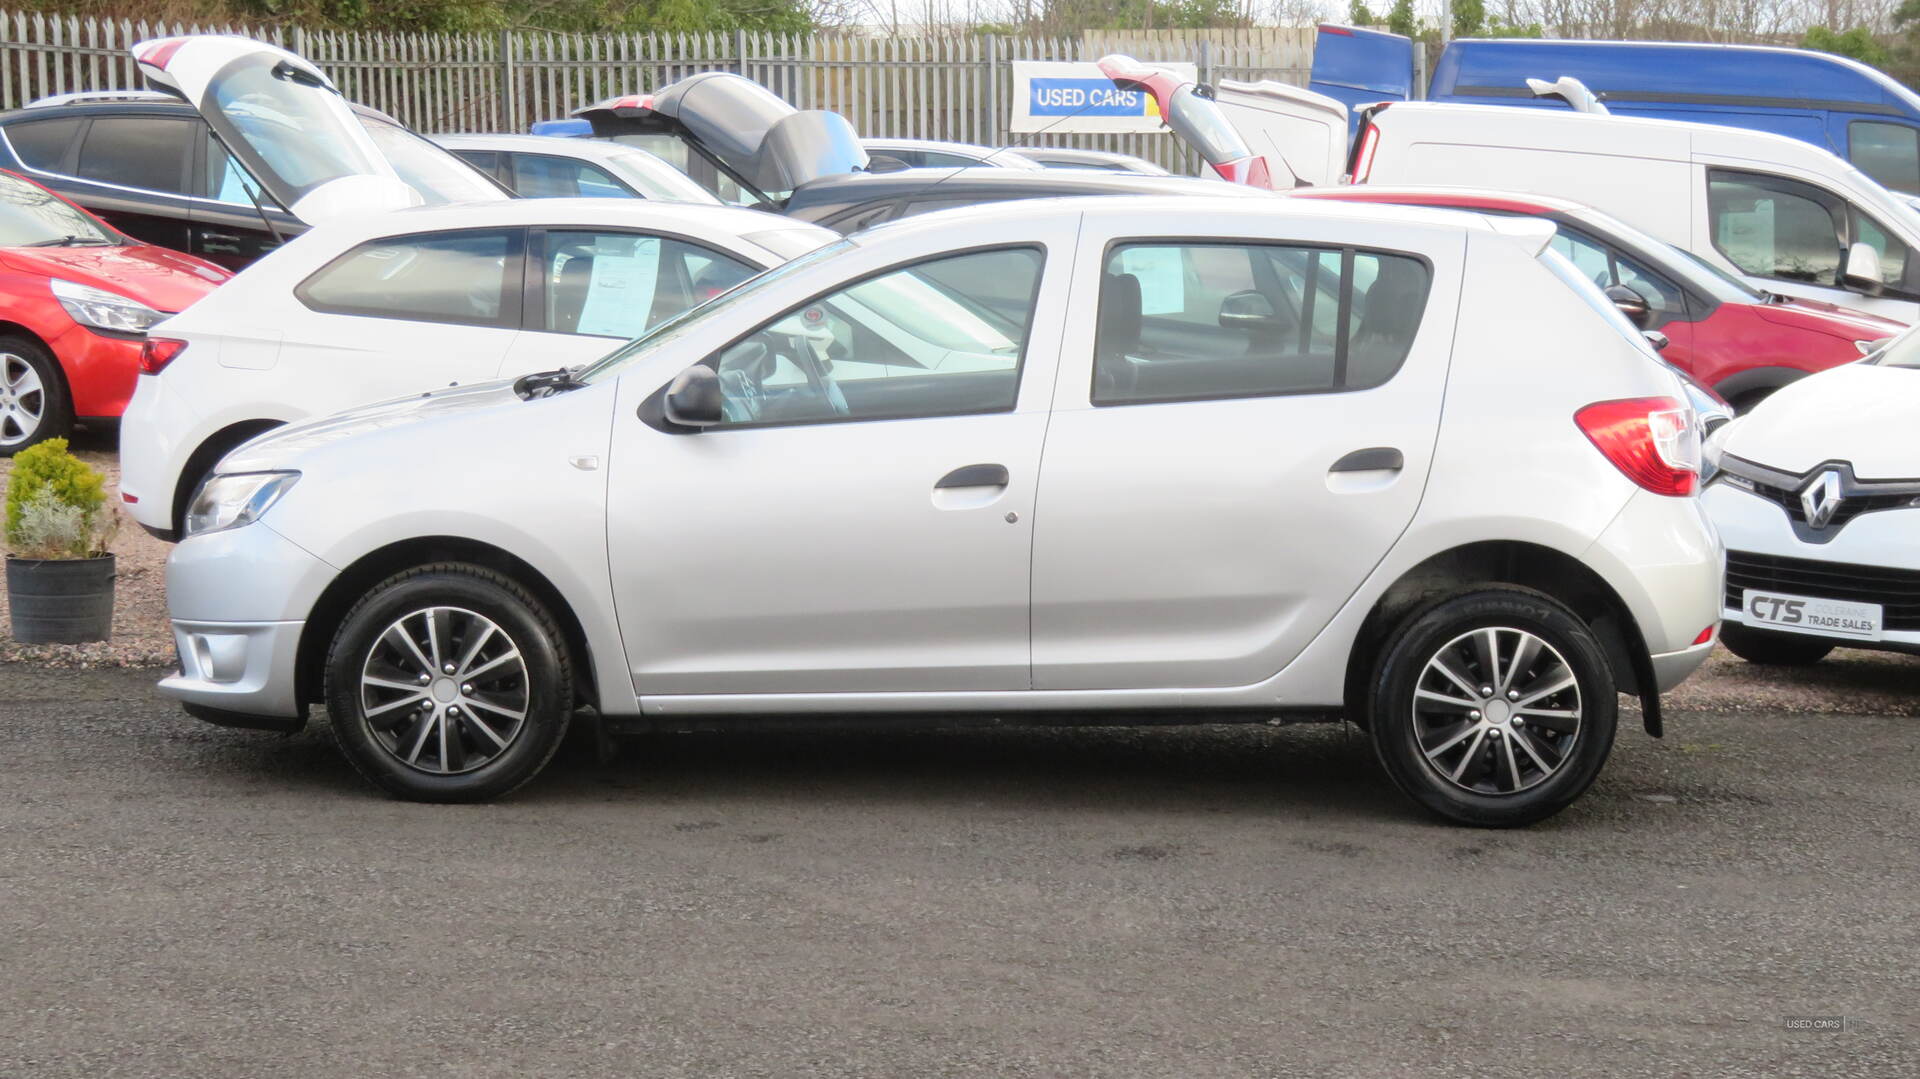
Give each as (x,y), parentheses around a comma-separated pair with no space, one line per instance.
(1770,226)
(1890,153)
(1182,322)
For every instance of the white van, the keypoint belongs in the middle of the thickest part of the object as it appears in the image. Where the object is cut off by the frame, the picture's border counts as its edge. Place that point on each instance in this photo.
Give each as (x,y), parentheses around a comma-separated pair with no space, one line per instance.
(1788,216)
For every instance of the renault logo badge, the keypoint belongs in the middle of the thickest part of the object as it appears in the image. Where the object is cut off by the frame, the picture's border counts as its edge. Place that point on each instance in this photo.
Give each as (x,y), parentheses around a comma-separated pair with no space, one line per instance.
(1821,498)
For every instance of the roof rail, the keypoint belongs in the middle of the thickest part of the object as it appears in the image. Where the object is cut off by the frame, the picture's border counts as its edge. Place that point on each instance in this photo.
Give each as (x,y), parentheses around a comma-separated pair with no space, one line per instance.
(100,95)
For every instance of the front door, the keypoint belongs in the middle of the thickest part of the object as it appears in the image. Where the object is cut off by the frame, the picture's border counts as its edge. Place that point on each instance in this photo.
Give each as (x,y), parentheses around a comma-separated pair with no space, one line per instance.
(862,519)
(1238,444)
(1792,237)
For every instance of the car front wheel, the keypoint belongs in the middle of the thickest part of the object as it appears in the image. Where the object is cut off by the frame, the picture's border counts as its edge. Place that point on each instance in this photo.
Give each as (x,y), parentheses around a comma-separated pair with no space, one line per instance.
(1495,708)
(33,399)
(449,683)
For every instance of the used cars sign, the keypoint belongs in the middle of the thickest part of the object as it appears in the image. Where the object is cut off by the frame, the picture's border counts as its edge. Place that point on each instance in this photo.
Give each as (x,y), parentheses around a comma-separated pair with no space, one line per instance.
(1076,97)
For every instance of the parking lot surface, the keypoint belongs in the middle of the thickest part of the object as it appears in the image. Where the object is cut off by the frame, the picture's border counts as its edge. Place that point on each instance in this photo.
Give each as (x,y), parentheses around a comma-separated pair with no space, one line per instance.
(184,900)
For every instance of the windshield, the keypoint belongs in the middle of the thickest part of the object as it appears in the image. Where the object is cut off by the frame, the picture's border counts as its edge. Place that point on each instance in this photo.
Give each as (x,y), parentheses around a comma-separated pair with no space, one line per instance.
(1724,286)
(31,215)
(1200,121)
(735,303)
(438,175)
(296,128)
(656,179)
(1901,351)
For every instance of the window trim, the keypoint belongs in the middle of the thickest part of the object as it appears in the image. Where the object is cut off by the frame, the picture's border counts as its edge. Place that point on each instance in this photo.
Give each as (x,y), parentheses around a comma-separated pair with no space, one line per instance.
(72,157)
(534,305)
(512,286)
(653,410)
(1347,254)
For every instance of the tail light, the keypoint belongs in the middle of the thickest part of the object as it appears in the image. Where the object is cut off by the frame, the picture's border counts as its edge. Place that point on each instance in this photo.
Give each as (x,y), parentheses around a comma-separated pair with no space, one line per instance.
(1654,441)
(158,352)
(1363,154)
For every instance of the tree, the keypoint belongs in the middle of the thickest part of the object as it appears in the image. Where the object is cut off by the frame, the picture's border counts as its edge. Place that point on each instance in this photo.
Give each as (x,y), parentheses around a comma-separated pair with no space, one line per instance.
(1401,19)
(1359,15)
(1858,43)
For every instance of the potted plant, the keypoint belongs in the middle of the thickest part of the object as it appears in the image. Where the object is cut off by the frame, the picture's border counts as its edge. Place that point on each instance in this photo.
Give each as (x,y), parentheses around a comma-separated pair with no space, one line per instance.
(59,526)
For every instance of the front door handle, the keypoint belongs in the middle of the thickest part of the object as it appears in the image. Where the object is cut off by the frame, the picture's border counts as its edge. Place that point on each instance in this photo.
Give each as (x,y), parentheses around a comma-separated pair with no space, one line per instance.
(975,476)
(1371,459)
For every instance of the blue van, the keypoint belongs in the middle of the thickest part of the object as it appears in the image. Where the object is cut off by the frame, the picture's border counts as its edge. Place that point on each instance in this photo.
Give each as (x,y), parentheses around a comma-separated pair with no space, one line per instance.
(1858,112)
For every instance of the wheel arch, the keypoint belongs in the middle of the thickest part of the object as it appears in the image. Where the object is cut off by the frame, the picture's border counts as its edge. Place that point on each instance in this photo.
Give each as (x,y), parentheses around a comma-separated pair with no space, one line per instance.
(8,327)
(208,454)
(1515,564)
(370,569)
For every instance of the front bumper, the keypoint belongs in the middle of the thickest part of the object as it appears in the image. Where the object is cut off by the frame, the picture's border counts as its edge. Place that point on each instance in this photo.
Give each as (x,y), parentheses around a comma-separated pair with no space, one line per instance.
(239,601)
(1873,558)
(100,370)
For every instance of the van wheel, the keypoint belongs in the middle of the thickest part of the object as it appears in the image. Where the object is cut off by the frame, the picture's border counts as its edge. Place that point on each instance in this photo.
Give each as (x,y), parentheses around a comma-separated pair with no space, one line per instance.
(33,396)
(1770,649)
(449,683)
(1495,708)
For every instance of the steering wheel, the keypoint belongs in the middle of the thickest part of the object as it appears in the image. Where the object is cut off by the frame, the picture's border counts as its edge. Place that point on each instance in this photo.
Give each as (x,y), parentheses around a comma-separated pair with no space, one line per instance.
(799,351)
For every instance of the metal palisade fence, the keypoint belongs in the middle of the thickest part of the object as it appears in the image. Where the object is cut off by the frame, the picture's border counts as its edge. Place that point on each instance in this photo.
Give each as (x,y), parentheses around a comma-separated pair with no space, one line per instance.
(951,86)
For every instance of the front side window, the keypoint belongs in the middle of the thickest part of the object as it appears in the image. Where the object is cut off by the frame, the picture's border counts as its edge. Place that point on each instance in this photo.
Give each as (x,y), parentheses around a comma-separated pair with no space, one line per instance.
(1774,227)
(1890,153)
(622,284)
(537,176)
(147,152)
(471,278)
(1194,321)
(1607,268)
(925,340)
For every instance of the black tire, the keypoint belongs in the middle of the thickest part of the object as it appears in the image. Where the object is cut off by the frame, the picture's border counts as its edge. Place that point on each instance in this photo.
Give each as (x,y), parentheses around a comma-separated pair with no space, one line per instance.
(470,601)
(49,399)
(1771,649)
(1493,791)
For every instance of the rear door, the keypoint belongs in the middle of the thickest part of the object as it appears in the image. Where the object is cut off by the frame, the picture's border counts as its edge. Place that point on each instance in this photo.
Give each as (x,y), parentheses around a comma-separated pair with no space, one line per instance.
(1237,440)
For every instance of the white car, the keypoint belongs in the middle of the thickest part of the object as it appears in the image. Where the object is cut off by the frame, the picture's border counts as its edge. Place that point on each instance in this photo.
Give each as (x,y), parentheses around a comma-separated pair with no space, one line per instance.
(936,154)
(1818,500)
(544,167)
(368,308)
(1218,459)
(1067,157)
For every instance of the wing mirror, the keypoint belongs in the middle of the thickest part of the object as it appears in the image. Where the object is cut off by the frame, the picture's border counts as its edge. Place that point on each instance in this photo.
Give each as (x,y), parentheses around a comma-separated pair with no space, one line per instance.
(1631,304)
(694,398)
(1863,268)
(1248,310)
(1657,339)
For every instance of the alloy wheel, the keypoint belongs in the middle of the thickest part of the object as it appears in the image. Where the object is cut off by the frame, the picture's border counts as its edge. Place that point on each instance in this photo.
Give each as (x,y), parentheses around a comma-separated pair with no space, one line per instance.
(444,690)
(1497,711)
(23,399)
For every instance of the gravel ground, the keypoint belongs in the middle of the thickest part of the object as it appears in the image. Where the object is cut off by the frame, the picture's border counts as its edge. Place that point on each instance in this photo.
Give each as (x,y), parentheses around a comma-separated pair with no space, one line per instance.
(183,900)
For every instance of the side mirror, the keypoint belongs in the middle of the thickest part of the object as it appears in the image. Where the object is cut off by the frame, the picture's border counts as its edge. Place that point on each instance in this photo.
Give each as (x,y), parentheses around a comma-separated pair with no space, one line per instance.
(1863,268)
(1631,304)
(694,398)
(1657,339)
(1248,310)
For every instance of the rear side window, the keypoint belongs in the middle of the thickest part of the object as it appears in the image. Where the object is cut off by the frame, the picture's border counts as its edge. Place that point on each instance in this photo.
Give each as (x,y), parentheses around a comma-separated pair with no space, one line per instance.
(1890,153)
(470,278)
(1181,322)
(43,144)
(1774,227)
(147,152)
(622,284)
(536,176)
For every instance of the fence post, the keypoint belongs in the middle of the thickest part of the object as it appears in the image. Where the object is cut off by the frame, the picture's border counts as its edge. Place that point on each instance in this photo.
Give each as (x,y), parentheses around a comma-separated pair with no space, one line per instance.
(299,44)
(509,85)
(993,90)
(740,52)
(1206,62)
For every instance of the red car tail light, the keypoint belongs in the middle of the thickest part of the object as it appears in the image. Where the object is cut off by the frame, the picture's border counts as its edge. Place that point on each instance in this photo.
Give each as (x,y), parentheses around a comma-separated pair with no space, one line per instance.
(1654,441)
(158,352)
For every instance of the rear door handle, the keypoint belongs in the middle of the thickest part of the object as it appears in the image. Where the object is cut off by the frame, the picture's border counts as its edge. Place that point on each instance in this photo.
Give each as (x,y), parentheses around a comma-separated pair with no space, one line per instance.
(975,476)
(1372,459)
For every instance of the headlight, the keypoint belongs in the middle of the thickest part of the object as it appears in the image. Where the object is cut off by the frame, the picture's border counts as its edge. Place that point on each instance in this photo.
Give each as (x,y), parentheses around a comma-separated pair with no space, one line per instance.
(236,499)
(104,310)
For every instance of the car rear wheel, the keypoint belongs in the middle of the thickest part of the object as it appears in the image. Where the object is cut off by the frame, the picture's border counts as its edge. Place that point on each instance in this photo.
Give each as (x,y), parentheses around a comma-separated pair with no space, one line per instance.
(33,397)
(449,683)
(1495,708)
(1771,649)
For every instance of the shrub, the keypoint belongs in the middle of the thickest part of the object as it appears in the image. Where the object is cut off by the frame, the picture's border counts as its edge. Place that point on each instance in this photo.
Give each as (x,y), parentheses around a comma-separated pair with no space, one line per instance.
(56,505)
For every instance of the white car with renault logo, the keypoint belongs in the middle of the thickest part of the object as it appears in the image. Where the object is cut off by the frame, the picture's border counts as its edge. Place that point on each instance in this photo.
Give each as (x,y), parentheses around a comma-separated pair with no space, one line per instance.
(1817,499)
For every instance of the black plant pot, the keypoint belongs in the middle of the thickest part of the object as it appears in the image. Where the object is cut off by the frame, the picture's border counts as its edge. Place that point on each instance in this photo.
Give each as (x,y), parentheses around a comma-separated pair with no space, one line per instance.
(60,600)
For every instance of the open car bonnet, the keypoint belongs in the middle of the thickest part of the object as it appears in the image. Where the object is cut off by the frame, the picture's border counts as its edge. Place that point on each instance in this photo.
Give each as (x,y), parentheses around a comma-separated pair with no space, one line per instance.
(1263,134)
(752,133)
(290,128)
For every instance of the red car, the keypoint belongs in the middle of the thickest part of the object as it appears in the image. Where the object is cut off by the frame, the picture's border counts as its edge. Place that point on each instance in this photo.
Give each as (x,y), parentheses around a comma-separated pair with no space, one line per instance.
(1730,337)
(76,298)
